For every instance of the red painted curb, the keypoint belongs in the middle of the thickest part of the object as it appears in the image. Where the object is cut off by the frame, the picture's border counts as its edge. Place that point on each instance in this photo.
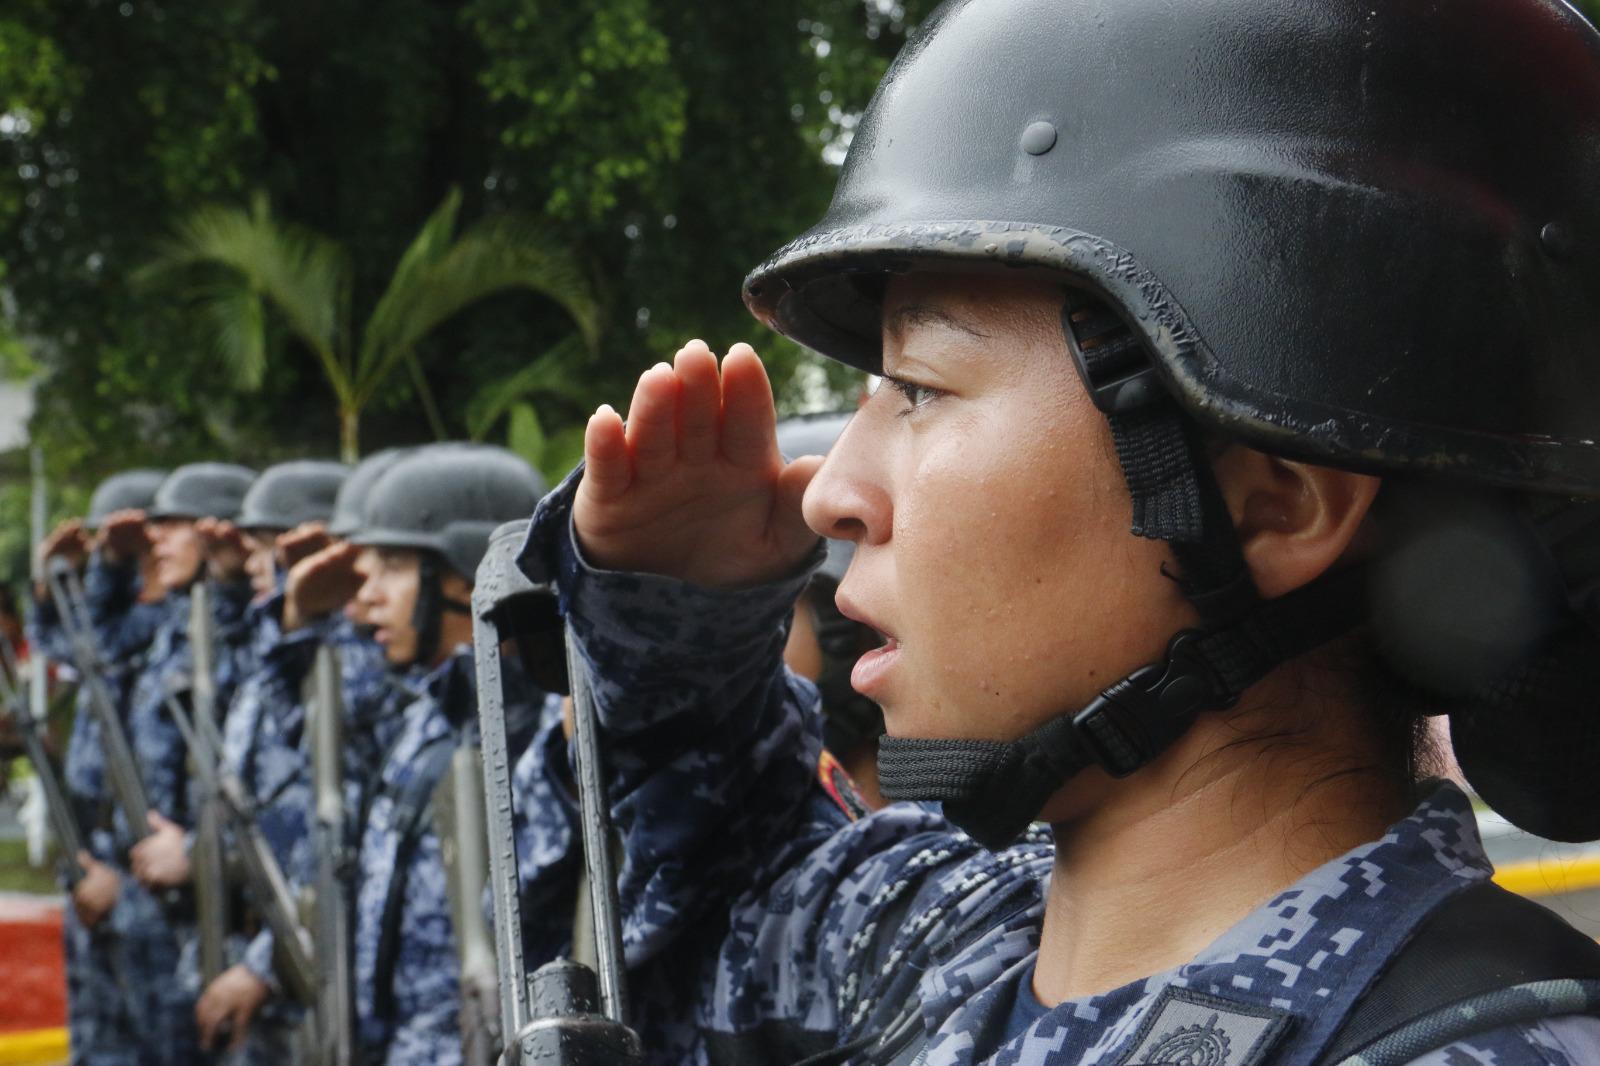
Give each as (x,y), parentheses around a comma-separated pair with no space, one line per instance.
(33,983)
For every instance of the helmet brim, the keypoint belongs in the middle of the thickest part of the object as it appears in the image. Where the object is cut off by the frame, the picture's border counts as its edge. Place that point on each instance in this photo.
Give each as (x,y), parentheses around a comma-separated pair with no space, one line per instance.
(823,291)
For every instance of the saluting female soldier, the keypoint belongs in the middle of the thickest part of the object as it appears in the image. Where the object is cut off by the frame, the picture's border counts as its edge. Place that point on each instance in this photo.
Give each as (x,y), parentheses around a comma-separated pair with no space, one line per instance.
(1312,285)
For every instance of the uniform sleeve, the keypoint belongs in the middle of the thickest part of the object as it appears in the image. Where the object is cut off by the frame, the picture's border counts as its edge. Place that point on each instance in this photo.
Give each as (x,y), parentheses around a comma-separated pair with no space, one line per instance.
(109,589)
(750,902)
(1568,1040)
(234,636)
(111,593)
(258,959)
(710,744)
(44,631)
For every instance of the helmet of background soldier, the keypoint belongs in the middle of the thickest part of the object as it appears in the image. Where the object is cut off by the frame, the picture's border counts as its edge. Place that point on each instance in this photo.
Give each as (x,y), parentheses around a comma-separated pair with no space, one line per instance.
(447,499)
(131,490)
(1358,236)
(850,720)
(444,501)
(288,494)
(352,497)
(813,435)
(202,490)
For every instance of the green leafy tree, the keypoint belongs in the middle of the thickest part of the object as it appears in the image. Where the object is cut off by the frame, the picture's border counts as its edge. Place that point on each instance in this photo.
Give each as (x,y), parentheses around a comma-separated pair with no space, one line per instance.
(249,262)
(666,147)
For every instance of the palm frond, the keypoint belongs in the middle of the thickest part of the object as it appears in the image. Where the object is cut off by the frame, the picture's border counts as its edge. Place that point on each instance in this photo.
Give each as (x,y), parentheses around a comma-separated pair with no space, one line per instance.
(238,331)
(549,372)
(497,255)
(300,273)
(431,243)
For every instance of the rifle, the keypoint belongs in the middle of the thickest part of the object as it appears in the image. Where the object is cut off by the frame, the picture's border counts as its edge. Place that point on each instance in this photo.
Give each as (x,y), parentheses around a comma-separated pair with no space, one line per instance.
(226,806)
(122,770)
(460,822)
(555,1017)
(335,1013)
(212,919)
(62,819)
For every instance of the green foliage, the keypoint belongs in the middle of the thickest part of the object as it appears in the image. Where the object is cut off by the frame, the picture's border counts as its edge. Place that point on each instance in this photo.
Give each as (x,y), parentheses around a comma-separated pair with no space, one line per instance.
(664,148)
(302,274)
(248,261)
(593,90)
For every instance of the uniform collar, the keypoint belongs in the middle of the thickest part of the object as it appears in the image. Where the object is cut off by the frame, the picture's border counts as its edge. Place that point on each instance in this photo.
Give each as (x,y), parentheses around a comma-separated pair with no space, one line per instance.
(1298,962)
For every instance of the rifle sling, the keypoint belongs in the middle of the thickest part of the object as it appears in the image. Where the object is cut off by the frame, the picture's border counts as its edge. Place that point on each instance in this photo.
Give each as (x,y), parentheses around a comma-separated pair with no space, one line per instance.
(410,819)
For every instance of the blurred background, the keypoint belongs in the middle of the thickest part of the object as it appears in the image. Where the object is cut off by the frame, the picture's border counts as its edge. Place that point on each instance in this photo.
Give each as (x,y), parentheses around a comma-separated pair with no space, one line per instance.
(250,230)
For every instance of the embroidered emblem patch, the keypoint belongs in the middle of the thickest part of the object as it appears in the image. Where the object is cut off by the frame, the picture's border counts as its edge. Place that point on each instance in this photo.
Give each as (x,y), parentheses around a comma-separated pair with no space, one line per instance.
(841,787)
(1187,1028)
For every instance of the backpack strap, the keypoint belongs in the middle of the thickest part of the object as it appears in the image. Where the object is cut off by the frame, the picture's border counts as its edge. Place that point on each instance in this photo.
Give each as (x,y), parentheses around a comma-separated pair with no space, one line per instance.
(1484,960)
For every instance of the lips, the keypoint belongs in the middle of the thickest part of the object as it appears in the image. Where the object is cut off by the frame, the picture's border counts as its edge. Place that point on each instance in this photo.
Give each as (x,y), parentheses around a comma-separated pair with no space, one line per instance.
(869,674)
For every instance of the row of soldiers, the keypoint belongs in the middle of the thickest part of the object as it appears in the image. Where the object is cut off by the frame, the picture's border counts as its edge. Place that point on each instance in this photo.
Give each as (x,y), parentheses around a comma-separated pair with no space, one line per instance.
(270,775)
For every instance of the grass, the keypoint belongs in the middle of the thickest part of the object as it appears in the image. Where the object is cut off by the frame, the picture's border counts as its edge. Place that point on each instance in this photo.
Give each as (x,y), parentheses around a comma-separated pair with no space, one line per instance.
(17,876)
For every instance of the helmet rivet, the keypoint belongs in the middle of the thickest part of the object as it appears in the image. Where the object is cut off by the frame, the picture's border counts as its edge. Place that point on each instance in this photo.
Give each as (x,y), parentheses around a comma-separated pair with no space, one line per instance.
(1038,138)
(1556,240)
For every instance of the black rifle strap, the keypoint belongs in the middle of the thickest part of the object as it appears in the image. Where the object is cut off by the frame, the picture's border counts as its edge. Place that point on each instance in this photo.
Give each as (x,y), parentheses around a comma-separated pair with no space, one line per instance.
(409,819)
(1486,959)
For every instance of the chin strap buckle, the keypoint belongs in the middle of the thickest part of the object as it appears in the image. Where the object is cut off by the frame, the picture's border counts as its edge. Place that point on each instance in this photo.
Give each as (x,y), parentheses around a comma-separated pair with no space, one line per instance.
(1134,721)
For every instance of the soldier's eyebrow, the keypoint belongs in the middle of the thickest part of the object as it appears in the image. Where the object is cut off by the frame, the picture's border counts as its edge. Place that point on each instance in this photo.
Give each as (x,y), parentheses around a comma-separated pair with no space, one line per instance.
(908,315)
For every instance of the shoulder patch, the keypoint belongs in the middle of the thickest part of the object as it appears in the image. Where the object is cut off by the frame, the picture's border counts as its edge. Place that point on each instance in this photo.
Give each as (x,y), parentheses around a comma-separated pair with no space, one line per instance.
(1186,1028)
(841,787)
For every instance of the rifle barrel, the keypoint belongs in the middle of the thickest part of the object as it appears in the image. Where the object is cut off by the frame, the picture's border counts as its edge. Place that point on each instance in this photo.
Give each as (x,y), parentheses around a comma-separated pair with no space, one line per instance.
(122,770)
(335,1012)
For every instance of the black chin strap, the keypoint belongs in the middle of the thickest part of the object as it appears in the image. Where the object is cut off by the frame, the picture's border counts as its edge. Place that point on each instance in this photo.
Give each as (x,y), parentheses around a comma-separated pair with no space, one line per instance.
(993,789)
(428,615)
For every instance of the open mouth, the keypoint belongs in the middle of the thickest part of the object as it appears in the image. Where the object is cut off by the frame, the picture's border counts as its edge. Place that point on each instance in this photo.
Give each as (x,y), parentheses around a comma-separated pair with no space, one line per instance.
(868,675)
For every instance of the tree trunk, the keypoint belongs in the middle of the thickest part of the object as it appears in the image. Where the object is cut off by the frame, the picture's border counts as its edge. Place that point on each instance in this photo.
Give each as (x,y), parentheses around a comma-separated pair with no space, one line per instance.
(349,434)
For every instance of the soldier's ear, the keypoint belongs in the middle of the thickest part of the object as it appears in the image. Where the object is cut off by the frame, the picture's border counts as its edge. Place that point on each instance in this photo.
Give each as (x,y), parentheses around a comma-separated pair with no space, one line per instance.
(1294,520)
(455,587)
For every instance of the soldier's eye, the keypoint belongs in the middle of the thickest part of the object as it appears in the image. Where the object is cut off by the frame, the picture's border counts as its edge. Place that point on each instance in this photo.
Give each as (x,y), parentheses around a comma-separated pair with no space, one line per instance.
(916,396)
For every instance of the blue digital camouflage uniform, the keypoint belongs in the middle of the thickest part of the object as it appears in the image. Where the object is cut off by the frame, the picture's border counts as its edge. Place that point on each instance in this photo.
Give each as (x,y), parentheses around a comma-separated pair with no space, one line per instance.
(101,1029)
(158,983)
(549,854)
(268,744)
(761,925)
(408,1007)
(408,1011)
(273,780)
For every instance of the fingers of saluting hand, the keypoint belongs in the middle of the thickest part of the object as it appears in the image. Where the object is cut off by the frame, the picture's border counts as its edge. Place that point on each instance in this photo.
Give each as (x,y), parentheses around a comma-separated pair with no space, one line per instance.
(607,469)
(653,423)
(749,424)
(699,402)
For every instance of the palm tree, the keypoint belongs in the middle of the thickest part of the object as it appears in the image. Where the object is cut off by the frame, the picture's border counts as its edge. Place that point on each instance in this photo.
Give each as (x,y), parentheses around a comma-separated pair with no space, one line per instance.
(249,262)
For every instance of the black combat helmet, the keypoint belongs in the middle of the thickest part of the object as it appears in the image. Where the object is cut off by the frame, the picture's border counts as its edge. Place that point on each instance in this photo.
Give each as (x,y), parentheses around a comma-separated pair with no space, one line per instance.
(1363,235)
(202,490)
(352,498)
(447,499)
(288,494)
(131,490)
(444,501)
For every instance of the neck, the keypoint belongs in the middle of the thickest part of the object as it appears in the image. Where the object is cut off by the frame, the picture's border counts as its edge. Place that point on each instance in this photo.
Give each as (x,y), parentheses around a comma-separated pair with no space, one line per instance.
(1162,863)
